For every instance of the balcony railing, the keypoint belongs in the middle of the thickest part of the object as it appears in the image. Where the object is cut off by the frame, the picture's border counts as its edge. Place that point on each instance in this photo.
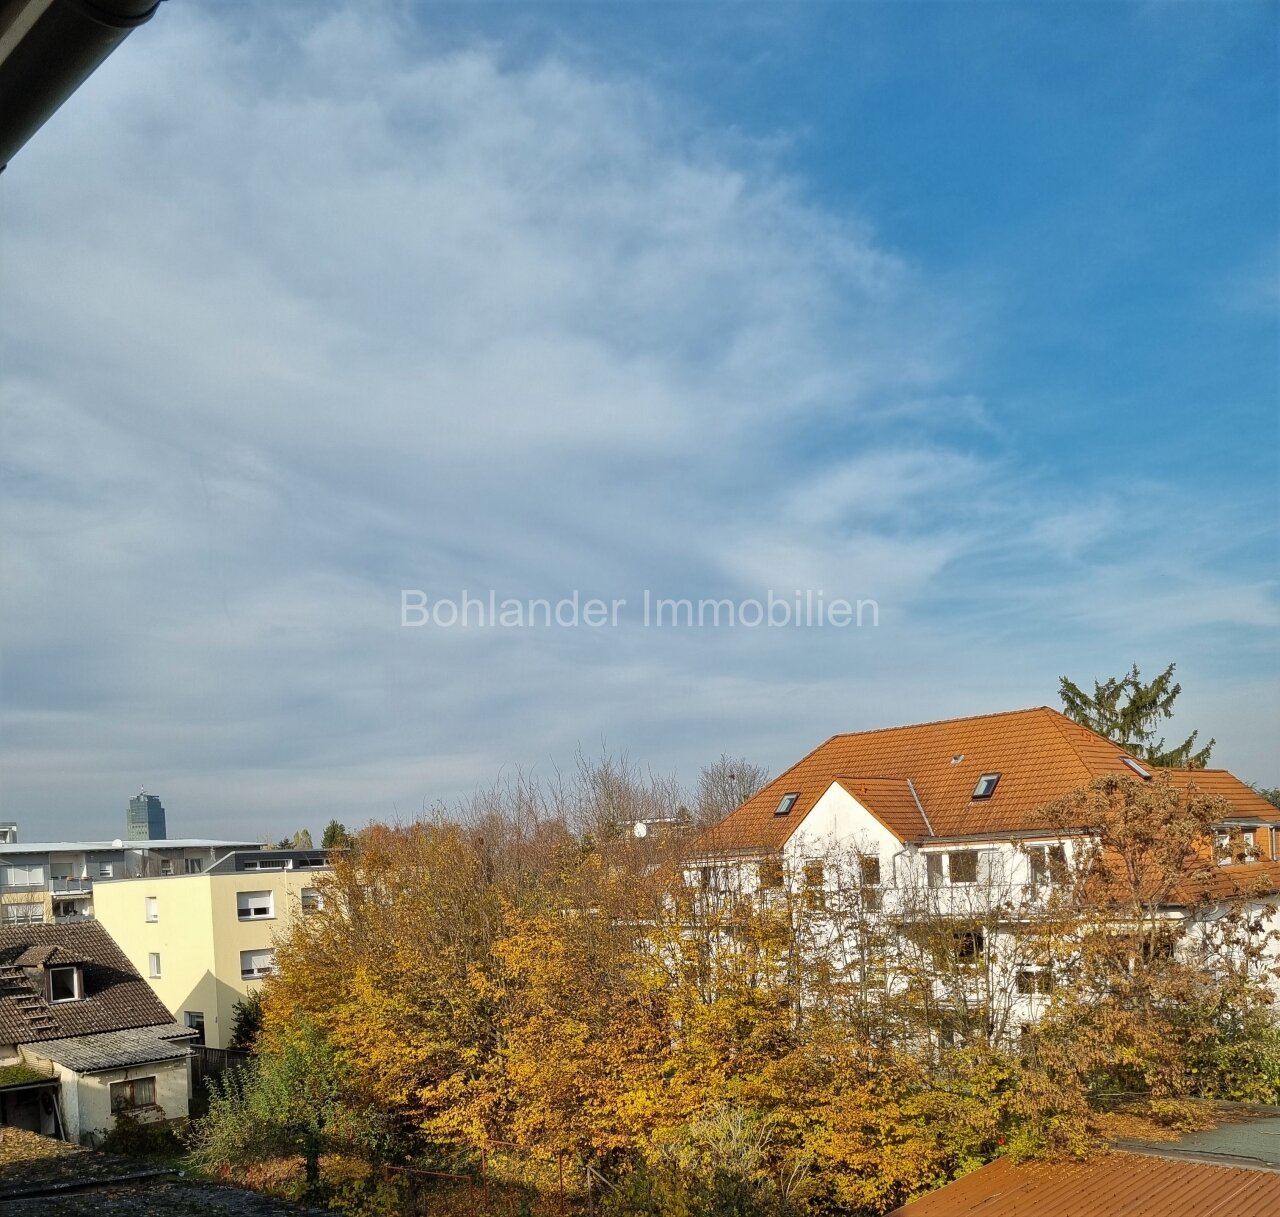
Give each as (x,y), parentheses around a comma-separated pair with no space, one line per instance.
(65,887)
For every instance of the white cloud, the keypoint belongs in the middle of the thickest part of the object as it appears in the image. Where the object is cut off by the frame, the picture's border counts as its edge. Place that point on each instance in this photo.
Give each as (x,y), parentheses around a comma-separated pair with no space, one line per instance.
(300,315)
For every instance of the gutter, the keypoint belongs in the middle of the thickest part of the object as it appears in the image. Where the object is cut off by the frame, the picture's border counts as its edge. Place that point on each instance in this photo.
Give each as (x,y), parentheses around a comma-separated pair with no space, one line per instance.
(48,49)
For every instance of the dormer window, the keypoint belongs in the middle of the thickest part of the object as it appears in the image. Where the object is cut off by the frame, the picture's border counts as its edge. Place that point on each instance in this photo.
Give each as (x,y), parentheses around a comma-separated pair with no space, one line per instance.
(1141,771)
(65,984)
(788,802)
(986,786)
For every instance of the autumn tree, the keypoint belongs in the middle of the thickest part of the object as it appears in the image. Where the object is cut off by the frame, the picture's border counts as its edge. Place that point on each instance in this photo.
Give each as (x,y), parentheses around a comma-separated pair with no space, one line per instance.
(1129,711)
(1154,946)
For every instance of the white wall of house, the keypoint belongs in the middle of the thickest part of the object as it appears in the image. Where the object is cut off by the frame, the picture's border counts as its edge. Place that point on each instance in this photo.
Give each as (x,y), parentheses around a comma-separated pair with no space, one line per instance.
(86,1097)
(839,823)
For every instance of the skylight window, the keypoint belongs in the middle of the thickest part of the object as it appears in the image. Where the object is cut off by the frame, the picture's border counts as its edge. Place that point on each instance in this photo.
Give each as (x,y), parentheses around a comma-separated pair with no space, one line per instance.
(986,786)
(788,802)
(1144,774)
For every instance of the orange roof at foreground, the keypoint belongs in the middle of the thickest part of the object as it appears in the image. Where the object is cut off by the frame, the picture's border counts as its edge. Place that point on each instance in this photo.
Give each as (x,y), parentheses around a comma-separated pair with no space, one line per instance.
(1111,1185)
(1040,755)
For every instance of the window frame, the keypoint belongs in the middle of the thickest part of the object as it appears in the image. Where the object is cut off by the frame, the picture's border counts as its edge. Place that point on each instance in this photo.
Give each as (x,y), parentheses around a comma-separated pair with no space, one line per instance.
(34,913)
(194,1020)
(154,971)
(248,909)
(970,947)
(787,804)
(260,972)
(770,873)
(935,876)
(1136,767)
(77,983)
(150,909)
(986,786)
(952,855)
(10,870)
(1032,980)
(116,1091)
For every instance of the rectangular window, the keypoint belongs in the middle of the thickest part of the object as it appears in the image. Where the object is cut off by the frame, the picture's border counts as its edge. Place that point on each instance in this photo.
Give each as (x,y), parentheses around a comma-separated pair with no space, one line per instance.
(933,869)
(770,872)
(152,908)
(1033,982)
(814,883)
(106,870)
(969,946)
(64,984)
(986,786)
(869,871)
(256,963)
(255,906)
(1048,863)
(195,1020)
(962,866)
(23,874)
(137,1092)
(788,802)
(166,866)
(22,914)
(1140,770)
(195,866)
(312,901)
(153,965)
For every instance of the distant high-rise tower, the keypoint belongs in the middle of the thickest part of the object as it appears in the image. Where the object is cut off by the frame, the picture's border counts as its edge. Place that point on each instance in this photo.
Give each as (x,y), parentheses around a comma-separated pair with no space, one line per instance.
(146,818)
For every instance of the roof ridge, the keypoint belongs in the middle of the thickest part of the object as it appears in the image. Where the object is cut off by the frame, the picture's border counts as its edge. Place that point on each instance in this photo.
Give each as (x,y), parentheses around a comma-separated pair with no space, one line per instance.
(1061,720)
(1057,718)
(940,722)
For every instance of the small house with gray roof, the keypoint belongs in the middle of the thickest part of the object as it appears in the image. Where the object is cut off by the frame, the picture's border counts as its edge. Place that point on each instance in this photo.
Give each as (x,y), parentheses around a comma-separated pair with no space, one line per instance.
(82,1035)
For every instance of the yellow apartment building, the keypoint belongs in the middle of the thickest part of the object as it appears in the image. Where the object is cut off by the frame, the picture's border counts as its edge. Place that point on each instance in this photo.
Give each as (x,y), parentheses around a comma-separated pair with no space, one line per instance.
(204,941)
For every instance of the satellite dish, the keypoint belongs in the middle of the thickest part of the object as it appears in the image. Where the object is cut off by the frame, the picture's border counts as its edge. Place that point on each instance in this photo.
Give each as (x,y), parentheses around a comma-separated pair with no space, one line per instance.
(640,831)
(117,844)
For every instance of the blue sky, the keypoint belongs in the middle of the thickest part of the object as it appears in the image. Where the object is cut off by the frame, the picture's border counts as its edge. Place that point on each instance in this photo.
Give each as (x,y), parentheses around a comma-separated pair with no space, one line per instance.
(970,309)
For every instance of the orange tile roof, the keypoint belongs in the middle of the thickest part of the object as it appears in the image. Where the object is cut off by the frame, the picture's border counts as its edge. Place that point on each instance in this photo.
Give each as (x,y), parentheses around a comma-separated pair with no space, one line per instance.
(1110,1185)
(1246,801)
(891,802)
(1039,753)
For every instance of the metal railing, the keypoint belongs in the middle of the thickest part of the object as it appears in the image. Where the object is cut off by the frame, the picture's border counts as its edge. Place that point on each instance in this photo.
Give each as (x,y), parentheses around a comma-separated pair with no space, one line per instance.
(61,887)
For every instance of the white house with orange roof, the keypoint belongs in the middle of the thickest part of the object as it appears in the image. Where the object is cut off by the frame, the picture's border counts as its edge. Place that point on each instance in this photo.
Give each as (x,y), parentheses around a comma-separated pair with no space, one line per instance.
(946,817)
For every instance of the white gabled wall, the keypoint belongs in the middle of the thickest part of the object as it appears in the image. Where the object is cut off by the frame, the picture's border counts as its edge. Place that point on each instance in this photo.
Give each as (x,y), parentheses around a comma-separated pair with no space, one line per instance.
(839,822)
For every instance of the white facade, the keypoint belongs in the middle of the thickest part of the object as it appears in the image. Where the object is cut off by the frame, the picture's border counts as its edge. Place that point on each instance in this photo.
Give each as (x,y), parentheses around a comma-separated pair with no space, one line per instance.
(867,885)
(53,881)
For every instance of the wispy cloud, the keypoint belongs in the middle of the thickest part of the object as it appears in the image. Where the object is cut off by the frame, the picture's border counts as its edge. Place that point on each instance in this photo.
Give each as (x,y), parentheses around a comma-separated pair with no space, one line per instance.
(299,318)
